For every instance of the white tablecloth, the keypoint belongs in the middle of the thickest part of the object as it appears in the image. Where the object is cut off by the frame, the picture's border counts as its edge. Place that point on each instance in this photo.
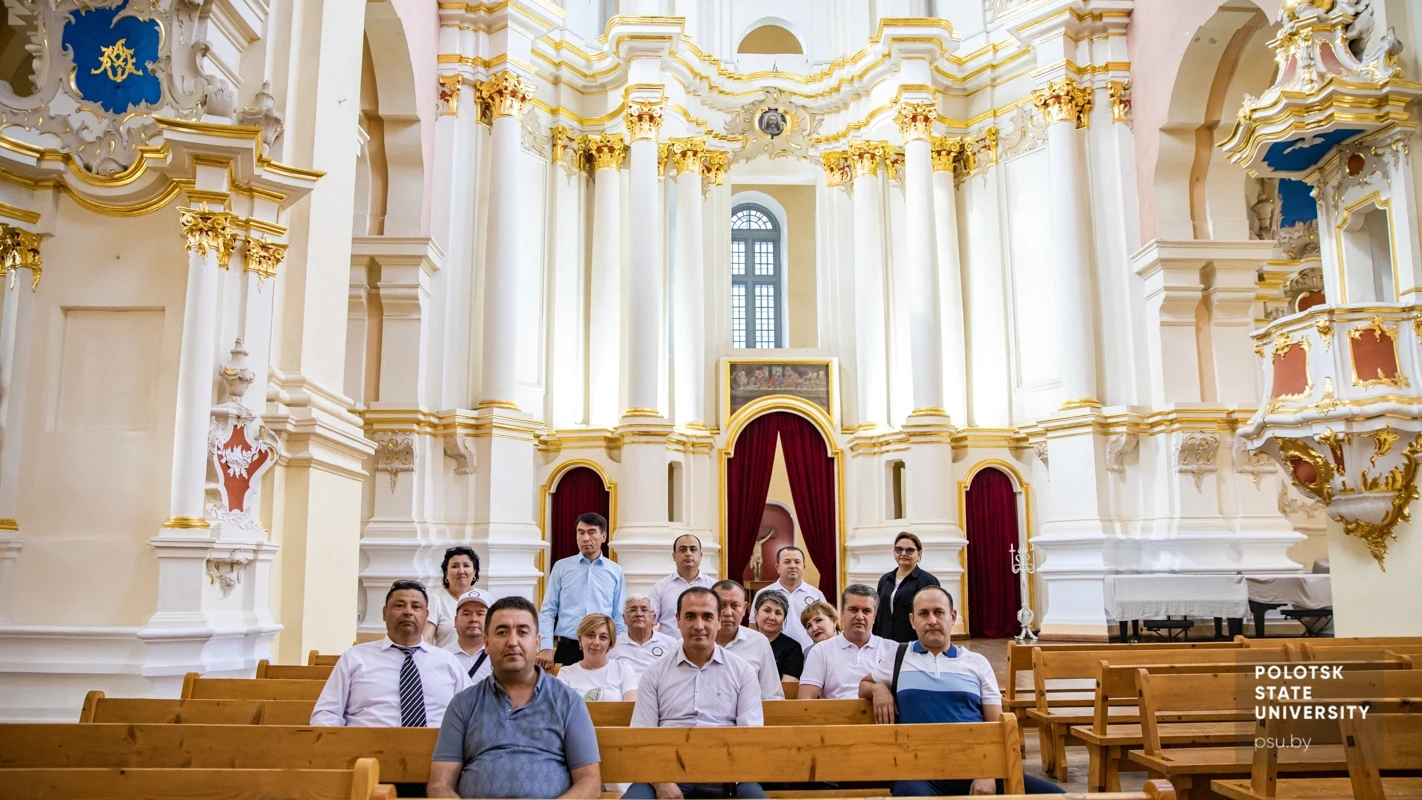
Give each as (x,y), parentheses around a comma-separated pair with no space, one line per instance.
(1131,597)
(1299,591)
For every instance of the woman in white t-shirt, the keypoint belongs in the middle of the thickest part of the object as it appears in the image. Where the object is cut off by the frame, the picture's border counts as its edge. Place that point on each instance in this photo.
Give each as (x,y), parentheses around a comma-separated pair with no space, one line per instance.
(459,570)
(595,677)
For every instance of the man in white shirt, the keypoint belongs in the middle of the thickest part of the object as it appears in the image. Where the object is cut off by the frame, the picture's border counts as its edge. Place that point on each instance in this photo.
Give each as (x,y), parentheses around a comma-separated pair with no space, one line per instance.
(835,666)
(398,682)
(642,645)
(748,643)
(790,561)
(699,686)
(469,623)
(686,552)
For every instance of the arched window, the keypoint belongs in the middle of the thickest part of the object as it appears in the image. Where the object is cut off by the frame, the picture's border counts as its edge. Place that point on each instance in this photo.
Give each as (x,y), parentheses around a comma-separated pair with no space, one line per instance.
(756,263)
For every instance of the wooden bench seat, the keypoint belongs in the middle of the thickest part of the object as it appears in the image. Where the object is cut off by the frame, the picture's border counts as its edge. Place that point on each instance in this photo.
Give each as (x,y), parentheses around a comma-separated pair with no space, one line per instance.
(358,782)
(1319,789)
(1192,769)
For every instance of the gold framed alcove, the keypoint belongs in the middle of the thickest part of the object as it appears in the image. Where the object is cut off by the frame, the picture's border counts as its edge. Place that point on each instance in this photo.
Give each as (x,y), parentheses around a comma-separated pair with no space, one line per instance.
(1025,521)
(545,494)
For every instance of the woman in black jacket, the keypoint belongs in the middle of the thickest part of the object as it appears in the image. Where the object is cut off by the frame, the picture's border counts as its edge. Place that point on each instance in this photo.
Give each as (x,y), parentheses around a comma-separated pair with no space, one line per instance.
(897,588)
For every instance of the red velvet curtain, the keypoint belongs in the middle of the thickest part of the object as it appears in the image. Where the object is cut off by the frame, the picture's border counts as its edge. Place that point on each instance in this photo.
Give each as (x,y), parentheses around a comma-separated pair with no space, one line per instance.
(579,491)
(810,469)
(994,593)
(747,484)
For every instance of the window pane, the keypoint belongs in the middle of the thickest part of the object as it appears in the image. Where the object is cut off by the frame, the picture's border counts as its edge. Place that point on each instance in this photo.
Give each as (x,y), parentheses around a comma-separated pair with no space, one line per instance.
(750,219)
(738,315)
(764,258)
(764,315)
(738,257)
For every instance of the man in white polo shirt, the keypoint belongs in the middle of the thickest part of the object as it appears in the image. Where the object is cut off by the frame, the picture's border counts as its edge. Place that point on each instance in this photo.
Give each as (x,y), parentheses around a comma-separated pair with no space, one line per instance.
(469,615)
(748,643)
(835,666)
(790,561)
(686,552)
(642,645)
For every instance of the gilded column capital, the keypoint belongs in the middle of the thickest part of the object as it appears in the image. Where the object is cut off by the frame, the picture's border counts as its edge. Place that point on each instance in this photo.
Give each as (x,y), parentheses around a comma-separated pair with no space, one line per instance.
(209,231)
(916,120)
(894,163)
(1120,101)
(865,157)
(20,249)
(566,149)
(507,94)
(607,150)
(449,88)
(644,119)
(946,152)
(687,153)
(1064,100)
(263,258)
(714,164)
(839,170)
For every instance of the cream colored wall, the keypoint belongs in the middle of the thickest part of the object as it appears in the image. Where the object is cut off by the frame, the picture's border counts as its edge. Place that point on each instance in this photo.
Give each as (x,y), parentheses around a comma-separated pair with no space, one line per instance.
(780,493)
(98,437)
(1368,601)
(801,307)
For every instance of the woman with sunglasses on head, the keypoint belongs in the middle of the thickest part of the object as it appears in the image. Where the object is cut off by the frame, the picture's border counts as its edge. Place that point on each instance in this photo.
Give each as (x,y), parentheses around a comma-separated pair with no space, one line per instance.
(897,588)
(459,572)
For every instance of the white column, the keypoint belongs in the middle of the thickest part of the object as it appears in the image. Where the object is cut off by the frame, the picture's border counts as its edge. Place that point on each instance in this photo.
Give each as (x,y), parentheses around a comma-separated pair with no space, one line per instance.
(452,226)
(644,312)
(689,318)
(1065,106)
(1172,295)
(508,94)
(986,306)
(605,291)
(837,240)
(950,282)
(15,335)
(871,354)
(566,405)
(926,337)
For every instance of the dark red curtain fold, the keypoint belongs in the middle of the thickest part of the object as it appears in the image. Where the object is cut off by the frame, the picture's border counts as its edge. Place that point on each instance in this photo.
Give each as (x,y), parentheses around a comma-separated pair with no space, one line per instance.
(579,491)
(747,485)
(810,469)
(994,593)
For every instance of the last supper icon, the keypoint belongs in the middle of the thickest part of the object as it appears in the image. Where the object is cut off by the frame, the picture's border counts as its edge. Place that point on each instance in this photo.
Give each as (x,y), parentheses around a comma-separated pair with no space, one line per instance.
(772,122)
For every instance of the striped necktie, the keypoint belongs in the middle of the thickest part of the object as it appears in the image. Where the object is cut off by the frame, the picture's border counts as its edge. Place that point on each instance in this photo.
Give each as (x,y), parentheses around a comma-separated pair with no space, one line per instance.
(412,693)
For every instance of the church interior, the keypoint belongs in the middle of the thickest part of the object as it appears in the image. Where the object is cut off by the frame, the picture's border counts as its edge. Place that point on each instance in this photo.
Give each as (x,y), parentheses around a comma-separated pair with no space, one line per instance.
(1111,303)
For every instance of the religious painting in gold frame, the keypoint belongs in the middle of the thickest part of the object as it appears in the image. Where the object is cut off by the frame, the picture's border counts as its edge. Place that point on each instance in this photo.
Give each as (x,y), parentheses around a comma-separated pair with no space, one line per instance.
(813,380)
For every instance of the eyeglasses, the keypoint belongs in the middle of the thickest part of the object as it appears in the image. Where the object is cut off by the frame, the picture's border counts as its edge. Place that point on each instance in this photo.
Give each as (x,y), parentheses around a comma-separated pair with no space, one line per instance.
(905,551)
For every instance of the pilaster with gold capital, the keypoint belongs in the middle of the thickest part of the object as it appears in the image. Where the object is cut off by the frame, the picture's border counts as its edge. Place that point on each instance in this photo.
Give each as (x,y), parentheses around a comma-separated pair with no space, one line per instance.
(915,119)
(687,153)
(19,250)
(606,150)
(507,94)
(871,344)
(566,150)
(839,170)
(1064,100)
(714,164)
(865,157)
(644,119)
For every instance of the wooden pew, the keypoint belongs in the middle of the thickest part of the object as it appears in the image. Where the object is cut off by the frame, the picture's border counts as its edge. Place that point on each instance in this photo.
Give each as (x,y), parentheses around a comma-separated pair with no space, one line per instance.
(1314,652)
(1056,710)
(266,671)
(1378,642)
(803,754)
(360,781)
(316,659)
(1389,742)
(196,687)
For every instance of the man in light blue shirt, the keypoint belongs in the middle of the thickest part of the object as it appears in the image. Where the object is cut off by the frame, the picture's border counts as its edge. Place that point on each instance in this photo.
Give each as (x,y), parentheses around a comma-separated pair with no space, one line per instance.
(587,583)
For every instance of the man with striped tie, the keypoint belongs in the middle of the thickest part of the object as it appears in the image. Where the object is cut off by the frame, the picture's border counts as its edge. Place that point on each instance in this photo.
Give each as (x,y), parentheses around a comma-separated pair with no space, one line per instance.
(400,681)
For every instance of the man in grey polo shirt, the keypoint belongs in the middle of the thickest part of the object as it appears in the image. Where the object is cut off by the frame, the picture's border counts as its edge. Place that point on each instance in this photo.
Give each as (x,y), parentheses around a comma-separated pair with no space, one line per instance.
(520,732)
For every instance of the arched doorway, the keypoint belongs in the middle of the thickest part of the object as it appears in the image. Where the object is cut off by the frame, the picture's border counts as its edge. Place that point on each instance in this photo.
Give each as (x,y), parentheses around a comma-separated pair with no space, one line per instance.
(994,592)
(575,491)
(812,473)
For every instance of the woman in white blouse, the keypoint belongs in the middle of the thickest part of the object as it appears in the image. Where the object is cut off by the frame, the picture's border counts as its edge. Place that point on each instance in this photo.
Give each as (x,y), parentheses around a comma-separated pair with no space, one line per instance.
(596,677)
(460,570)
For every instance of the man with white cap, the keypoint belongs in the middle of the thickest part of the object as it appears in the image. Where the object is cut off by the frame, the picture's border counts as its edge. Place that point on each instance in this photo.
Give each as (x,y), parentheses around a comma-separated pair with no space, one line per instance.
(469,624)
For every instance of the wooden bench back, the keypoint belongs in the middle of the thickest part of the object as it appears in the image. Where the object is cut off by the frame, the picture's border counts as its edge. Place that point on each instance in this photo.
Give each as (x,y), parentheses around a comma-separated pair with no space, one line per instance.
(778,713)
(1085,664)
(813,753)
(316,659)
(1315,652)
(199,688)
(1019,656)
(1333,641)
(1116,686)
(267,670)
(1371,744)
(360,781)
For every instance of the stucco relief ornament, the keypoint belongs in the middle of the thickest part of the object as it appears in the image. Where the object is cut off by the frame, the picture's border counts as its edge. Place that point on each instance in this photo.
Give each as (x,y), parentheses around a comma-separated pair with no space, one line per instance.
(103,69)
(774,126)
(394,453)
(241,448)
(1023,130)
(1195,456)
(1118,448)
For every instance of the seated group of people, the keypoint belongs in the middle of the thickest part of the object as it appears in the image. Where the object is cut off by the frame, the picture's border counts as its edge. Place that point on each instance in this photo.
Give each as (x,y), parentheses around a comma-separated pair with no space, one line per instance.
(511,728)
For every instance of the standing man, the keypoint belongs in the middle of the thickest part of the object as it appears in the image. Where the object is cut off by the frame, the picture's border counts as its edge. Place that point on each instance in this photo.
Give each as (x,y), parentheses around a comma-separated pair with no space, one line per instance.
(469,625)
(932,680)
(748,643)
(699,686)
(521,733)
(401,681)
(642,645)
(587,583)
(686,552)
(790,560)
(834,667)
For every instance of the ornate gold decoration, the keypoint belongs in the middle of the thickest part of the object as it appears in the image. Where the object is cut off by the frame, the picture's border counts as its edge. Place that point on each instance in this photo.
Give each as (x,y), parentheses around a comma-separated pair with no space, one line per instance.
(1401,479)
(607,150)
(1295,452)
(186,523)
(1325,331)
(773,125)
(117,62)
(507,94)
(565,149)
(1291,8)
(915,120)
(687,153)
(946,151)
(1383,441)
(20,249)
(714,164)
(1282,342)
(1064,100)
(894,162)
(865,158)
(1334,441)
(663,158)
(449,88)
(644,119)
(838,170)
(1328,401)
(1120,101)
(208,230)
(263,258)
(1381,331)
